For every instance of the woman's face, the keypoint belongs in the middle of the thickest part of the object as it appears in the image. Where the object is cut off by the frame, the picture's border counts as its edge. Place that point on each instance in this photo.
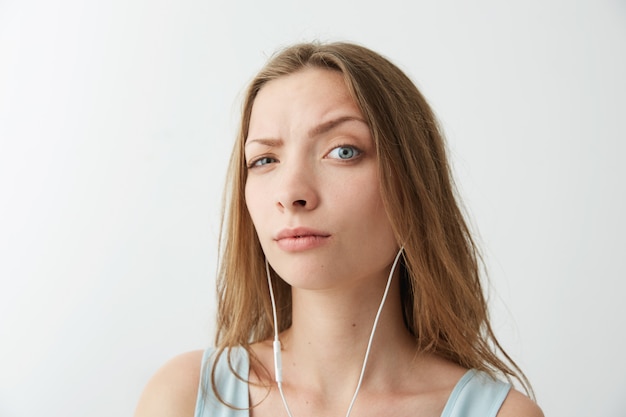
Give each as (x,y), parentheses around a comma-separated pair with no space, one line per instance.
(312,188)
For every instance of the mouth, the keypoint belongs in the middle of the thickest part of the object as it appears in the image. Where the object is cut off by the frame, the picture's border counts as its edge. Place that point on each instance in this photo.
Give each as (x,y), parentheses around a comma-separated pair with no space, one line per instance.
(299,233)
(300,239)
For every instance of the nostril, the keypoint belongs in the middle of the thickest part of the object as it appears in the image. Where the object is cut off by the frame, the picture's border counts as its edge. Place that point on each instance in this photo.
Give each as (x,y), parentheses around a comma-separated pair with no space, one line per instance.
(301,203)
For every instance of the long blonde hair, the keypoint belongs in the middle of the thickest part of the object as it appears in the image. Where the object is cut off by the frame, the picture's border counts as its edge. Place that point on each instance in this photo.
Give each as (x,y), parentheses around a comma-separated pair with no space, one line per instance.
(443,302)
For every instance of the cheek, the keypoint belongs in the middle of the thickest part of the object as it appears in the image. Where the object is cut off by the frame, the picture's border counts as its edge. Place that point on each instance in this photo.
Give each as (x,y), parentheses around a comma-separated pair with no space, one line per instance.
(256,202)
(372,208)
(251,202)
(378,214)
(361,201)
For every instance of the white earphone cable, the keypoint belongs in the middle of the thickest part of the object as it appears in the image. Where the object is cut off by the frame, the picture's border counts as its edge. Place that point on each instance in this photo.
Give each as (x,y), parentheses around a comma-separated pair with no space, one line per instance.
(369,343)
(278,367)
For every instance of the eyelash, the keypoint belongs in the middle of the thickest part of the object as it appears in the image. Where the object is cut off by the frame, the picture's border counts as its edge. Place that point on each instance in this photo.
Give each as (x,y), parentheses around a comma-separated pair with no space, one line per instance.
(254,162)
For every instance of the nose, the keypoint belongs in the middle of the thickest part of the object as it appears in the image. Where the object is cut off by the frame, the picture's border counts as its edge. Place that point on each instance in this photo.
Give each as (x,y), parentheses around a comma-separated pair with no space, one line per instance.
(297,189)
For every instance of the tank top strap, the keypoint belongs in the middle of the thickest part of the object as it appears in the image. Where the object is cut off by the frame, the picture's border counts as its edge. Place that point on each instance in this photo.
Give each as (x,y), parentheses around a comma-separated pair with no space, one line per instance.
(476,394)
(231,376)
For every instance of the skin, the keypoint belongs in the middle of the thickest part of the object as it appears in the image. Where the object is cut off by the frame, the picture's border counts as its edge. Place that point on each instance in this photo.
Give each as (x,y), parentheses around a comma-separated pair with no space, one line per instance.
(312,164)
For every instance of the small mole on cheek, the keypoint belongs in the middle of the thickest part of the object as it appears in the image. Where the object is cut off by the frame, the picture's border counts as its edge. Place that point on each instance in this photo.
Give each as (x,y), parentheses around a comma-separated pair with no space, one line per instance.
(353,324)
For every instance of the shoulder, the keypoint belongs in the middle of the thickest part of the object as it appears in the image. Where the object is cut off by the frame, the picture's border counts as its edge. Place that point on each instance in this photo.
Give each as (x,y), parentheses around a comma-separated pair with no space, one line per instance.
(173,389)
(517,404)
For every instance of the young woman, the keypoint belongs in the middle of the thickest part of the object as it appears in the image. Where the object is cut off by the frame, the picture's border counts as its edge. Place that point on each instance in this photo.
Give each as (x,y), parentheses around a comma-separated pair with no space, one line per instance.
(344,256)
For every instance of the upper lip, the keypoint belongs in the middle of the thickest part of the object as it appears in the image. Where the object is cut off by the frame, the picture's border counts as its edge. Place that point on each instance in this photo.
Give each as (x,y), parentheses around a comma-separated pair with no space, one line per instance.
(299,232)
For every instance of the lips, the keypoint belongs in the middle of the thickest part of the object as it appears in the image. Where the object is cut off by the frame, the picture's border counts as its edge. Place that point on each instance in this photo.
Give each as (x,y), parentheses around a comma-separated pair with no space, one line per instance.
(300,239)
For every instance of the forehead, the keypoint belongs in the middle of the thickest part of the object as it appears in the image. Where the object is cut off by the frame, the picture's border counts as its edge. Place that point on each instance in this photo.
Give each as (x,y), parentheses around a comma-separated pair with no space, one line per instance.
(306,97)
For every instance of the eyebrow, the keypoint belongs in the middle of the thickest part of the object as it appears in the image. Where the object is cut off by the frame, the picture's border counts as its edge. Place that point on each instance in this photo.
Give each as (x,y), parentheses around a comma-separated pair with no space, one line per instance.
(315,131)
(264,141)
(331,124)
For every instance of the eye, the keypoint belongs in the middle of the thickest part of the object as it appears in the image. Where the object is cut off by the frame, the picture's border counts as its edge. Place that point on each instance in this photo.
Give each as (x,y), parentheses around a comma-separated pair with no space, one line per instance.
(344,152)
(264,160)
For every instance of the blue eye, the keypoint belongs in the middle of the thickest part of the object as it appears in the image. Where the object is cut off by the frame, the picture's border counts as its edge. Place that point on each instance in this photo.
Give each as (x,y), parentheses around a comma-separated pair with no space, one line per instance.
(344,152)
(261,161)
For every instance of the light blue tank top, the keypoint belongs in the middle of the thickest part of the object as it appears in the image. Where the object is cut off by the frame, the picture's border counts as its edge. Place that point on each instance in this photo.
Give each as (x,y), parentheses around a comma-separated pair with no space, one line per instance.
(475,395)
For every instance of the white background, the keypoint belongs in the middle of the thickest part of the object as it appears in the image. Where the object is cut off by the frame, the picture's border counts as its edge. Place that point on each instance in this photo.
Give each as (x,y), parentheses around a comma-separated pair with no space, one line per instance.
(116,122)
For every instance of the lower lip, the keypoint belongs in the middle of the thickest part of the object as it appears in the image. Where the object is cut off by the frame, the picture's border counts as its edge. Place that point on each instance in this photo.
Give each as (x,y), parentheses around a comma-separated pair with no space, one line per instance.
(302,243)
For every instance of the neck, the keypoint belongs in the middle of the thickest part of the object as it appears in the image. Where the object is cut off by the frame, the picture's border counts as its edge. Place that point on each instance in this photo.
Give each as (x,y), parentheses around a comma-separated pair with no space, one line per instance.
(326,345)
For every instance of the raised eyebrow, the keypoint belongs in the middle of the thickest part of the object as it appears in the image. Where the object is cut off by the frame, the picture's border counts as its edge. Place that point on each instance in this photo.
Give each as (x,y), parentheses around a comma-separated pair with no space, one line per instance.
(331,124)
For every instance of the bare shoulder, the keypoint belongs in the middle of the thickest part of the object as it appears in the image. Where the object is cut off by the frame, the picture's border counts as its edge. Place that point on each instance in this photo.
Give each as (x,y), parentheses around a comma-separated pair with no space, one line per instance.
(519,405)
(173,389)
